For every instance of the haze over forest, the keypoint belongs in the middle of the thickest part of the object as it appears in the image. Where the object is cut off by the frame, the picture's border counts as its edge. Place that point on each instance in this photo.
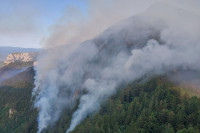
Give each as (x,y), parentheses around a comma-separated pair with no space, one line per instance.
(127,66)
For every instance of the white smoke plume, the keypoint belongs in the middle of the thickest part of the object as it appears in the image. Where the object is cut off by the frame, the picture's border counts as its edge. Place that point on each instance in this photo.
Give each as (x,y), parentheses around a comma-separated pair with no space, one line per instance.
(162,39)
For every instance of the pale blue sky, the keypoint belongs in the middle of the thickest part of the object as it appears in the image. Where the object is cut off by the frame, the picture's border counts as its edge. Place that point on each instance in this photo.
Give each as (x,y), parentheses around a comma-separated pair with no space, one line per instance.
(23,23)
(49,23)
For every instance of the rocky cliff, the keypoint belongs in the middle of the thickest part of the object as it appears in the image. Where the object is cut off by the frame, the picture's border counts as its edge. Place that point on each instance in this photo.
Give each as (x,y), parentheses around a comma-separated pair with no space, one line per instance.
(20,57)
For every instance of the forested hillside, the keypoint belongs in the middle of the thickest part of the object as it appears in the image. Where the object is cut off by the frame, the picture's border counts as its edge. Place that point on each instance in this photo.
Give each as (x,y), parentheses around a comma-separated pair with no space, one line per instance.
(153,106)
(156,106)
(16,112)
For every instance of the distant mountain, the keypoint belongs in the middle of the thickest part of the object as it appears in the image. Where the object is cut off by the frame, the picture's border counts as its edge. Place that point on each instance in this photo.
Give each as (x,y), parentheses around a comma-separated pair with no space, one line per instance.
(5,51)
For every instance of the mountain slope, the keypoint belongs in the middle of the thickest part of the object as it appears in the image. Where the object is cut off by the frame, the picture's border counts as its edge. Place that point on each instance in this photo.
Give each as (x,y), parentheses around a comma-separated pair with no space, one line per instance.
(153,106)
(73,84)
(152,43)
(11,74)
(16,112)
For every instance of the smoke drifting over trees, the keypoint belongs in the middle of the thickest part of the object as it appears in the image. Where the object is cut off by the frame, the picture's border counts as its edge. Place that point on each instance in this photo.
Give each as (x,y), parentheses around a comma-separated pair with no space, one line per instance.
(162,39)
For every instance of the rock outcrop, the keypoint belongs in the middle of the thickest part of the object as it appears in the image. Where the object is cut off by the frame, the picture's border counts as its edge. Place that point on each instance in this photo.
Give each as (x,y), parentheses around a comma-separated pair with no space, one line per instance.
(20,57)
(11,112)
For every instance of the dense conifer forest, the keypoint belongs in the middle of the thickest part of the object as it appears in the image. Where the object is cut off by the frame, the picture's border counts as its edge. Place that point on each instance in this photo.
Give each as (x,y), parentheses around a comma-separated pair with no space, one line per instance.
(156,105)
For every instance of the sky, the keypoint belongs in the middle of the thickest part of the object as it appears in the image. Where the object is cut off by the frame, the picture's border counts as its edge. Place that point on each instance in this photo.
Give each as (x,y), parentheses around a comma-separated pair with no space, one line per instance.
(48,23)
(23,23)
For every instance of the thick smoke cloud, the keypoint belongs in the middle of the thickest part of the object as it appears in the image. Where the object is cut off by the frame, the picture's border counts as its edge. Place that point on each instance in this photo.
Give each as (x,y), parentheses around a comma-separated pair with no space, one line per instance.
(162,39)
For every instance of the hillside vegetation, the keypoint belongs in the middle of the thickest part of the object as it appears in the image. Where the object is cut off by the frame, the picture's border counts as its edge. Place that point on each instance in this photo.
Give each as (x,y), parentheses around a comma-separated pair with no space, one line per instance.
(154,106)
(16,112)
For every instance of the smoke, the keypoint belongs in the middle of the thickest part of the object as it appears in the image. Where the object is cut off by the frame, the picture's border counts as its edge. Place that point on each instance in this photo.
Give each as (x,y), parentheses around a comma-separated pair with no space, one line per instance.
(187,79)
(4,75)
(164,38)
(76,26)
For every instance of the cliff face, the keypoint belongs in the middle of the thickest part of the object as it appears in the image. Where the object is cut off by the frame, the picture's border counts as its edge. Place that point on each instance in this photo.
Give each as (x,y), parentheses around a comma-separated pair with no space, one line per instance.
(20,57)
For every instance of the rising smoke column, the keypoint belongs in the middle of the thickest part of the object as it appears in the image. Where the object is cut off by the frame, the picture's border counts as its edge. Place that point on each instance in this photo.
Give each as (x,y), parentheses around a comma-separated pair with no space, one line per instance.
(154,42)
